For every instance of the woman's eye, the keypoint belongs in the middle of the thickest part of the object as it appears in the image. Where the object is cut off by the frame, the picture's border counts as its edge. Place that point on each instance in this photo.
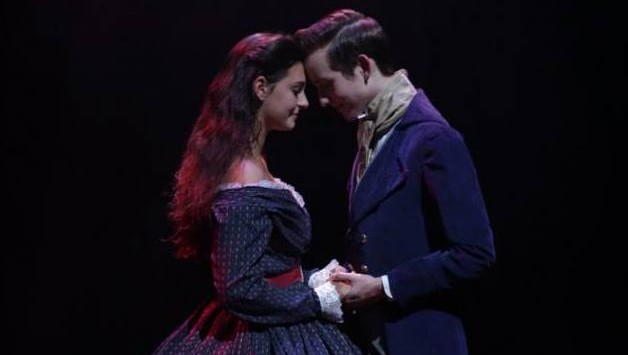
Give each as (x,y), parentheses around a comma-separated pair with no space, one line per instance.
(297,89)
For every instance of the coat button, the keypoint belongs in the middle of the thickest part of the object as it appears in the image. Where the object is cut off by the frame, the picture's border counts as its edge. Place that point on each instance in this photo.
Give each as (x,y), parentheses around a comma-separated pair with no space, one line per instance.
(363,238)
(364,268)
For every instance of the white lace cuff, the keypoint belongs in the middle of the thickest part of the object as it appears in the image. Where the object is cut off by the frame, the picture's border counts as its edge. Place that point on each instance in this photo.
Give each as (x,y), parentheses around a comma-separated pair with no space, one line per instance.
(321,276)
(329,298)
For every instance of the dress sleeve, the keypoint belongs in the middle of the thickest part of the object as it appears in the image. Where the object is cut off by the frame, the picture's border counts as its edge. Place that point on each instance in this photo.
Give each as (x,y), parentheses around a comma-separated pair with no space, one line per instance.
(451,183)
(242,233)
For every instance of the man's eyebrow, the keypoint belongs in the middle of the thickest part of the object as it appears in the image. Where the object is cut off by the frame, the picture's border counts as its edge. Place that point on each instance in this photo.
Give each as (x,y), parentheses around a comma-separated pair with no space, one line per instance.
(321,81)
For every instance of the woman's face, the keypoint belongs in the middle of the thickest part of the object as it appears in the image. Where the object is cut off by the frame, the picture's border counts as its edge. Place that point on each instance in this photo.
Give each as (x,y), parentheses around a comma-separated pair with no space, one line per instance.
(284,100)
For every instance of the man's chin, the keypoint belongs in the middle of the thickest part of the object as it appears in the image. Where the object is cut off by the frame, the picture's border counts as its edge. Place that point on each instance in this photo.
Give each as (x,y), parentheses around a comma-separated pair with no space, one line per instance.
(352,116)
(347,115)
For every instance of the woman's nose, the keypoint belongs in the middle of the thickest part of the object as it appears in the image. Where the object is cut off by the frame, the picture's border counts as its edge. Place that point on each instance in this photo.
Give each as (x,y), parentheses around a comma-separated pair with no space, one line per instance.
(303,102)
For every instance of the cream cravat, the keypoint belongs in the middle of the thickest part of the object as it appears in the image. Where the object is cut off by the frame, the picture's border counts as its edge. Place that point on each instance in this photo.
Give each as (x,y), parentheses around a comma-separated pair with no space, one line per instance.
(382,113)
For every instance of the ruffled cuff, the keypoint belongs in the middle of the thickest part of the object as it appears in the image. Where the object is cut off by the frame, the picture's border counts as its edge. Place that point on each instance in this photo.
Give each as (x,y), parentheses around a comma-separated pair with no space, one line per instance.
(331,306)
(321,276)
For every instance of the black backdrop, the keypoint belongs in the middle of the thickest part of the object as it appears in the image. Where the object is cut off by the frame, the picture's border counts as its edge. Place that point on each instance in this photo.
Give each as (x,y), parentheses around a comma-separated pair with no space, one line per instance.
(99,96)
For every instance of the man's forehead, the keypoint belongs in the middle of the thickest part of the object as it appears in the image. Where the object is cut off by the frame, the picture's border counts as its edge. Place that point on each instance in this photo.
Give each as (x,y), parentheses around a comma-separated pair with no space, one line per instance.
(317,65)
(319,57)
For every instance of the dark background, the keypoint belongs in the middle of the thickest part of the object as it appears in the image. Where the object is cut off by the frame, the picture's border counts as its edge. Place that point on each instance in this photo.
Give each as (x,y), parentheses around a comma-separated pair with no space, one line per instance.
(99,97)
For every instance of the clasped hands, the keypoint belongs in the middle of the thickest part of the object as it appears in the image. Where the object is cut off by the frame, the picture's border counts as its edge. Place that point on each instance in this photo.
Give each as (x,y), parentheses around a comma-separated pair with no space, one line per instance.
(356,290)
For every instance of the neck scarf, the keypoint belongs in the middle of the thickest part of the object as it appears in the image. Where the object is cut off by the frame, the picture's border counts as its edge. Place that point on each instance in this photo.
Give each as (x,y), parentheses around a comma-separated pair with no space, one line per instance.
(383,112)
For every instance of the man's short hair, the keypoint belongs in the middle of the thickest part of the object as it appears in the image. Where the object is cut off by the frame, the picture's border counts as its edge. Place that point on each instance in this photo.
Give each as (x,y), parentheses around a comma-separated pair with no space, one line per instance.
(348,33)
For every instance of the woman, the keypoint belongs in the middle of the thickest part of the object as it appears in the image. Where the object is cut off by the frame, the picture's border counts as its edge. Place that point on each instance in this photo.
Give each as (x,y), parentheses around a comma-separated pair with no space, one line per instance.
(252,227)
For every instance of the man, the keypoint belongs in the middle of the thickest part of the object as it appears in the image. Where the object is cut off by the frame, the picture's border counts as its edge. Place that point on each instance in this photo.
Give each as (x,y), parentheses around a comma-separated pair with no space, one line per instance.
(418,225)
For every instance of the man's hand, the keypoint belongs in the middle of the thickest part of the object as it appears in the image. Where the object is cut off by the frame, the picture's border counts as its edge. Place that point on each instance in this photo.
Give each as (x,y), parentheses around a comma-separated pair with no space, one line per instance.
(338,268)
(365,289)
(343,288)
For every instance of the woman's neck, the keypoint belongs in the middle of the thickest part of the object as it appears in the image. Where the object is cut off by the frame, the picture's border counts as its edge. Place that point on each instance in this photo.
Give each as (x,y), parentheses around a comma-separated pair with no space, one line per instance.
(250,169)
(258,145)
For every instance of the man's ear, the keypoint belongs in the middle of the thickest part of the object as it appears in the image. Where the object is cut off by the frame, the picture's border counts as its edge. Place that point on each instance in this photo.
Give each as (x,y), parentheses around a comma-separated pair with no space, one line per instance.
(260,87)
(365,65)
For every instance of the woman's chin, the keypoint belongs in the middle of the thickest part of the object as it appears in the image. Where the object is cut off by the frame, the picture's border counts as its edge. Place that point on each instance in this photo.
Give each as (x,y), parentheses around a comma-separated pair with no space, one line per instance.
(291,123)
(287,126)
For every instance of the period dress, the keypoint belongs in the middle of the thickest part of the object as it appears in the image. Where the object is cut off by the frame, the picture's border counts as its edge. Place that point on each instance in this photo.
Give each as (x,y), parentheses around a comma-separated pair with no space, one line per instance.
(263,303)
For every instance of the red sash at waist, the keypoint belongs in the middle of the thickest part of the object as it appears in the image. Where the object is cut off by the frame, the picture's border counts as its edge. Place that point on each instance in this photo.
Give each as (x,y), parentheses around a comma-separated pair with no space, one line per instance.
(287,278)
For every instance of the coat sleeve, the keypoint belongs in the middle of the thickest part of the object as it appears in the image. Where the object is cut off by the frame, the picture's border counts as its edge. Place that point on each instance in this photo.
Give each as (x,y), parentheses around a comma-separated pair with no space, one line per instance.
(451,184)
(242,233)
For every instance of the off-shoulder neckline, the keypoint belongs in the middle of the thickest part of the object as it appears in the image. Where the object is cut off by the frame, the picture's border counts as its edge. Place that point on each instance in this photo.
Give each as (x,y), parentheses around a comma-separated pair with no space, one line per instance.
(274,183)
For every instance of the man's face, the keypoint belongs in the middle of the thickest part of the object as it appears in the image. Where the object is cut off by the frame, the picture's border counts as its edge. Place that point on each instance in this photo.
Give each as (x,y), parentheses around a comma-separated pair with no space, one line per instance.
(346,94)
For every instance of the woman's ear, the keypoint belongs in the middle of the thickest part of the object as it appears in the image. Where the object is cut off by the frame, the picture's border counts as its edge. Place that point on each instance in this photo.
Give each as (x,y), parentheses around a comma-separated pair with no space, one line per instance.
(260,87)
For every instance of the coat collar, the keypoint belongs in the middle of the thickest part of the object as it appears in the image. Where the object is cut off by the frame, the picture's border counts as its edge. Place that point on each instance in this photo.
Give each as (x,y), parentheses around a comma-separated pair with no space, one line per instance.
(387,171)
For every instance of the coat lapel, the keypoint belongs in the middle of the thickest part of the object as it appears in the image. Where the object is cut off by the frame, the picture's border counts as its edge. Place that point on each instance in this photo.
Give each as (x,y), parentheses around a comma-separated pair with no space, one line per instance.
(382,177)
(387,172)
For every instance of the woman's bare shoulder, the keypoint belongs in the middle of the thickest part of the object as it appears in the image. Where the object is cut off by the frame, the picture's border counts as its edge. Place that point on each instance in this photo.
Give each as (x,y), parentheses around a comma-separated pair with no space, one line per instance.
(248,171)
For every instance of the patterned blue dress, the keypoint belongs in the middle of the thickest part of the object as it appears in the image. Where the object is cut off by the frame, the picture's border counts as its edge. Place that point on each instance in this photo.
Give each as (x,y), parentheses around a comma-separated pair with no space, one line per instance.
(259,231)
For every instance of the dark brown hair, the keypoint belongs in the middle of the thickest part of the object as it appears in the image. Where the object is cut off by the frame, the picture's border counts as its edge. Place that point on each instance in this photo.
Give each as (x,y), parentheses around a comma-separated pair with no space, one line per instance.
(224,131)
(348,33)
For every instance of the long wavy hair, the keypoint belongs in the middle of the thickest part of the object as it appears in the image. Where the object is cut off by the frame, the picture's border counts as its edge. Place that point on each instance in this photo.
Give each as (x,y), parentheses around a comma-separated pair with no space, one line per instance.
(225,131)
